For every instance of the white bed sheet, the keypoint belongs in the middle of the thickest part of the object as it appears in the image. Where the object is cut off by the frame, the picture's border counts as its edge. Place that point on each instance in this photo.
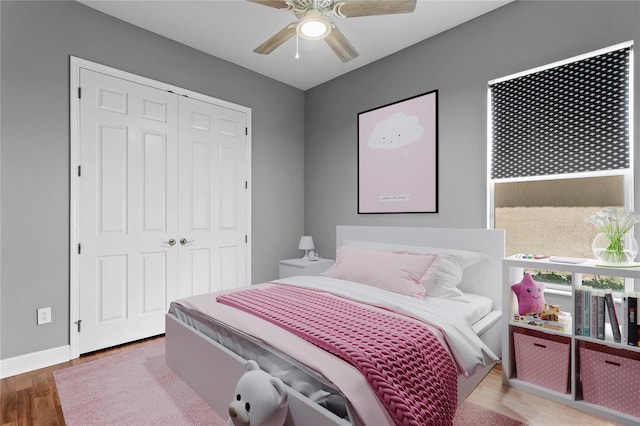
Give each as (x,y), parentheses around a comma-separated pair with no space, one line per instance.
(471,307)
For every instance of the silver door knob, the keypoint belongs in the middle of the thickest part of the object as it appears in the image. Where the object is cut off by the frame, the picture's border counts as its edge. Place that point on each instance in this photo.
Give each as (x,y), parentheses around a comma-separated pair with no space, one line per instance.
(171,242)
(185,242)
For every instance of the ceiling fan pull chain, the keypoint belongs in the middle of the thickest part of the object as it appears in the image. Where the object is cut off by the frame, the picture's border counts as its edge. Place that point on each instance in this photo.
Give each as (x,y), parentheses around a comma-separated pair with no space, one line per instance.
(297,39)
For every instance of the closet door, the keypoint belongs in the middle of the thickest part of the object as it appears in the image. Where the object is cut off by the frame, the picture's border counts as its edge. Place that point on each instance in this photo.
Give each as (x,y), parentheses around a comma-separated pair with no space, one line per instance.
(162,205)
(213,153)
(127,210)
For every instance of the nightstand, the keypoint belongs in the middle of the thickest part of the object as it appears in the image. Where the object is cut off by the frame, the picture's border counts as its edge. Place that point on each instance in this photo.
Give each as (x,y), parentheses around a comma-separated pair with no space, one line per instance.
(291,267)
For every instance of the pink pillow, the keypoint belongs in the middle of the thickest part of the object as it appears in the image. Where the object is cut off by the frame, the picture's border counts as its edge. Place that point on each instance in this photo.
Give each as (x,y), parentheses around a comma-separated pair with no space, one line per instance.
(396,272)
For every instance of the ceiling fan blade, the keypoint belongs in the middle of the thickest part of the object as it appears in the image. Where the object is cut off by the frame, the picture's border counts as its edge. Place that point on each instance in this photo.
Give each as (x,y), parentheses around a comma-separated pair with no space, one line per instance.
(357,8)
(340,45)
(276,40)
(278,4)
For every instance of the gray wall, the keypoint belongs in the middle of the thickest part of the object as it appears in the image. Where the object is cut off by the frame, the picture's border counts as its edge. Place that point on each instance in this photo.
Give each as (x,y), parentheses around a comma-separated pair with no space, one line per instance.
(459,63)
(37,39)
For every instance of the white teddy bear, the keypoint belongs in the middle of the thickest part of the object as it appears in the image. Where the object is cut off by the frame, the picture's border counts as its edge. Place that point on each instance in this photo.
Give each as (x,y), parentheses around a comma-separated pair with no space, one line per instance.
(259,399)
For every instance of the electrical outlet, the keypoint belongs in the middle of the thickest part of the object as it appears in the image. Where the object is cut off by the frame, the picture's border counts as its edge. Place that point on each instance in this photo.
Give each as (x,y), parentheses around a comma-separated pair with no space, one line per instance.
(44,315)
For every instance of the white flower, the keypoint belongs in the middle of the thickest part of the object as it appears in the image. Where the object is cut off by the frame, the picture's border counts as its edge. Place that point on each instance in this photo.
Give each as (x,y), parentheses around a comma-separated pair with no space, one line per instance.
(614,222)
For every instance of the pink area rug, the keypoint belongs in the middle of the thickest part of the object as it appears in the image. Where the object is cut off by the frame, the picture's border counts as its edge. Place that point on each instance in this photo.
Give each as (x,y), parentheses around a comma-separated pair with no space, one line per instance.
(136,387)
(473,414)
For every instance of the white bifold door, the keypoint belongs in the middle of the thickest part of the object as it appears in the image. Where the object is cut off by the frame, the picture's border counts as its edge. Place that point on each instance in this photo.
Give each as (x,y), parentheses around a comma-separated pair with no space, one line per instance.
(162,205)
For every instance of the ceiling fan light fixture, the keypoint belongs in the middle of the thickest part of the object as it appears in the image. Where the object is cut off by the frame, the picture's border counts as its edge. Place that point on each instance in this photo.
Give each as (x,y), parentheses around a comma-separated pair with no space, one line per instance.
(313,26)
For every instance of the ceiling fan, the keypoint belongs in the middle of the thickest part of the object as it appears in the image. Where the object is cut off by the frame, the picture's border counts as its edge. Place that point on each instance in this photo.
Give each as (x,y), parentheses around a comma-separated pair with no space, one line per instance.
(314,24)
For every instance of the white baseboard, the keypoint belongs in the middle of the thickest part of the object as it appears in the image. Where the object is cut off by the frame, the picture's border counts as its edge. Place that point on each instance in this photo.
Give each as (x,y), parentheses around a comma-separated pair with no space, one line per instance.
(33,361)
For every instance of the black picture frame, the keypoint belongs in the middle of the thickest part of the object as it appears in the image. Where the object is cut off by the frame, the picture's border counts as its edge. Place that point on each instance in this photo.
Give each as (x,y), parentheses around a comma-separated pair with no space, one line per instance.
(398,156)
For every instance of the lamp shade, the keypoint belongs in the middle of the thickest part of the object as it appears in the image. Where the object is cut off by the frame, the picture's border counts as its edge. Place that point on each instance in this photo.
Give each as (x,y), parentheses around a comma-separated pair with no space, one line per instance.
(306,243)
(313,26)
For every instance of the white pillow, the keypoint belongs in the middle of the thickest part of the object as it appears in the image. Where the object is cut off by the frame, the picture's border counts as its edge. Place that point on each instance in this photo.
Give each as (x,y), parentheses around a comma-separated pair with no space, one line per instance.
(443,276)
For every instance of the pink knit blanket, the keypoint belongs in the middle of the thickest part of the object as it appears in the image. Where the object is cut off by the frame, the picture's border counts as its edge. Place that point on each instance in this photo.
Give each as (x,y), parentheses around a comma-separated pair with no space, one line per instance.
(405,364)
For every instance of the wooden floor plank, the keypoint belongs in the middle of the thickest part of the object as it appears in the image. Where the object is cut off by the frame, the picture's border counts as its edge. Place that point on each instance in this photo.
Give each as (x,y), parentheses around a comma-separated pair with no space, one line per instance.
(8,401)
(25,403)
(41,384)
(43,411)
(23,381)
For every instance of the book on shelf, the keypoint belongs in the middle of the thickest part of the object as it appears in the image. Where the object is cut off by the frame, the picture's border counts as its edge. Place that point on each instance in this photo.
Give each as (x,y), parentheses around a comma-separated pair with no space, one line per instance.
(630,327)
(631,317)
(592,306)
(624,325)
(578,296)
(593,315)
(601,315)
(613,316)
(586,311)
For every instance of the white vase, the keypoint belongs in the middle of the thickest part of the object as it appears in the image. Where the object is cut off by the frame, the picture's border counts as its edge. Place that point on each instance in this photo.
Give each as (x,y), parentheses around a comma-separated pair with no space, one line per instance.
(615,252)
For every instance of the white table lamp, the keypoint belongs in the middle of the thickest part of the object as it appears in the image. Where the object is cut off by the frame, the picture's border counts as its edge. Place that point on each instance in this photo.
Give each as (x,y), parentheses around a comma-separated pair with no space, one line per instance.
(306,244)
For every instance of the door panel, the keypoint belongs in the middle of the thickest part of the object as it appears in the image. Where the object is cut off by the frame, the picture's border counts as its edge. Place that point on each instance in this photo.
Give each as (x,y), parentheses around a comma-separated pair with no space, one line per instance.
(154,182)
(113,288)
(229,267)
(128,194)
(112,171)
(199,271)
(228,189)
(213,197)
(154,282)
(199,198)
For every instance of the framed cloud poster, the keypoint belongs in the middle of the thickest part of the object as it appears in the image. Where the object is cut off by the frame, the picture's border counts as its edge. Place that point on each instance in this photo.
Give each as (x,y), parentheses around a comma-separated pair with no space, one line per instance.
(398,157)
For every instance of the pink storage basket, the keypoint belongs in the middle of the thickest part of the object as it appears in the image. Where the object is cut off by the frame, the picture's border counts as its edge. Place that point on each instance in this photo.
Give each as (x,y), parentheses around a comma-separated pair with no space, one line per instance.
(542,359)
(611,377)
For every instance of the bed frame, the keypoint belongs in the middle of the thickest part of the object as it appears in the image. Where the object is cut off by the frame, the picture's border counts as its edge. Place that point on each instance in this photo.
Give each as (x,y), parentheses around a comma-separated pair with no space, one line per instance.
(212,371)
(487,276)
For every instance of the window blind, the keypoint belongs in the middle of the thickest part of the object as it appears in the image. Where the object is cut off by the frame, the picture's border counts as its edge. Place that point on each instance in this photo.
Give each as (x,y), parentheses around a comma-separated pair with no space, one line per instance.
(571,118)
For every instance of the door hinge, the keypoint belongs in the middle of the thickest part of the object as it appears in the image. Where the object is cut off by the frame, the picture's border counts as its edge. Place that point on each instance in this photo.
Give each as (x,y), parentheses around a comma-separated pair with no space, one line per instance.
(78,324)
(79,92)
(246,131)
(79,171)
(79,248)
(246,239)
(246,184)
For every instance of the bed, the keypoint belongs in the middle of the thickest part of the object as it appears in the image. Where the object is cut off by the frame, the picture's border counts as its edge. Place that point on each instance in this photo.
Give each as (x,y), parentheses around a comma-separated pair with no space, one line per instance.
(208,352)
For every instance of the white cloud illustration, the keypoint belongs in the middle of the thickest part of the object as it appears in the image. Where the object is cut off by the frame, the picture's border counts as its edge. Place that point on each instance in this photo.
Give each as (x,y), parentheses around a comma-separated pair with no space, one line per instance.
(396,131)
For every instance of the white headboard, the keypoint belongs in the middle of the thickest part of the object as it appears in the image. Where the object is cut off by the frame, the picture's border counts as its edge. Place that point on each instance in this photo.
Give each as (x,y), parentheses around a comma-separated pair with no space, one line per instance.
(484,279)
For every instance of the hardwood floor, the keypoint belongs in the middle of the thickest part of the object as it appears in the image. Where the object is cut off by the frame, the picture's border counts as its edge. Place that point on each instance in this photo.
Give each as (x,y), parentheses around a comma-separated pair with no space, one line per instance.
(527,408)
(32,398)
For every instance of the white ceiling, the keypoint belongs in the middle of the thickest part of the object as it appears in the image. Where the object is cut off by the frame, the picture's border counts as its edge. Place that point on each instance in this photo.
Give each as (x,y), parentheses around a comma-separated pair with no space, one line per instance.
(231,29)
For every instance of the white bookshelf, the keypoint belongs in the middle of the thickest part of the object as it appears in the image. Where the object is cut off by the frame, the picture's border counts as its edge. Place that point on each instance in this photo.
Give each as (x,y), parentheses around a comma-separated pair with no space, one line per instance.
(512,272)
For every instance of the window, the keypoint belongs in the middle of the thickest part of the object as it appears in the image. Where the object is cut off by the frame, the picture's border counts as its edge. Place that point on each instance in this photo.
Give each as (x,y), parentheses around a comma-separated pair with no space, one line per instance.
(560,150)
(548,216)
